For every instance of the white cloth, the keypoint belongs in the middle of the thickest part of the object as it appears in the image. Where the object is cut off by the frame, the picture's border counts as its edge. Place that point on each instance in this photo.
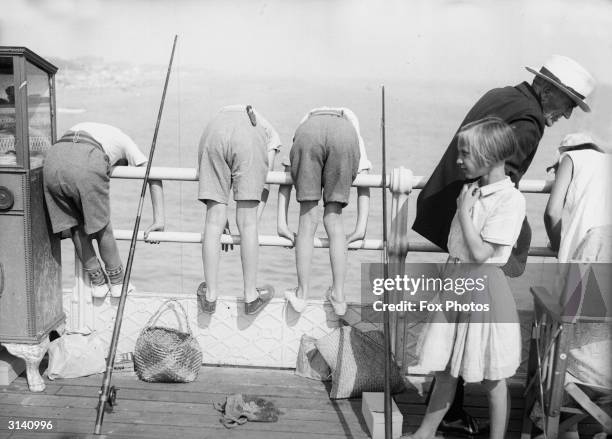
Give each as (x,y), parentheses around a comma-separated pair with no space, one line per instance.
(588,202)
(364,163)
(272,138)
(116,144)
(498,216)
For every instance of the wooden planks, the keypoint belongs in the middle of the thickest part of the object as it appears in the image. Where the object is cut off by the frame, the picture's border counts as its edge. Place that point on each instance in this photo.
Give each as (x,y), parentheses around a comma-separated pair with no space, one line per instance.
(161,410)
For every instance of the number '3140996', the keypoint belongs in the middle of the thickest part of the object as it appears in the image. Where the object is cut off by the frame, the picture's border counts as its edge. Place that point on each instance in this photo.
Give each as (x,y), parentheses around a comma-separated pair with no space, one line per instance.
(29,425)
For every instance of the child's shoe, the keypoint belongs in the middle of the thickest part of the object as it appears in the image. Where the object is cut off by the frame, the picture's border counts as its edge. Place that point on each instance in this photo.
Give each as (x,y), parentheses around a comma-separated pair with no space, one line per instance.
(339,307)
(116,289)
(98,282)
(207,306)
(266,293)
(99,291)
(297,303)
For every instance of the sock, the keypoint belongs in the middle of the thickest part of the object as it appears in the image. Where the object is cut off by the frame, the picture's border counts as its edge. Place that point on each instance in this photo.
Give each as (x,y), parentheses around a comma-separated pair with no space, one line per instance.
(115,275)
(96,276)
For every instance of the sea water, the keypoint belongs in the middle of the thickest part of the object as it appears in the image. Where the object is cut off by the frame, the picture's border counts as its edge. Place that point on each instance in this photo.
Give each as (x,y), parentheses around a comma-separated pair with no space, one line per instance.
(421,118)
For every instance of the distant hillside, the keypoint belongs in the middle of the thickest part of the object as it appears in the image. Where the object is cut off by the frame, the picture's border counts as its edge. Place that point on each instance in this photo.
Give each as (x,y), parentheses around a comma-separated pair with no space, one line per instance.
(94,72)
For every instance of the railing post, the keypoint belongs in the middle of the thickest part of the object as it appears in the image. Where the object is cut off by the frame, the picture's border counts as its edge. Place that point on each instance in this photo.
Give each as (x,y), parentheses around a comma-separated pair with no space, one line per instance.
(400,186)
(81,302)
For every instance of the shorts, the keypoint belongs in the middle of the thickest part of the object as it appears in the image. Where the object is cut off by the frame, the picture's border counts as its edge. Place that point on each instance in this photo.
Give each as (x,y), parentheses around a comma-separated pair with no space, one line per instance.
(232,154)
(76,179)
(324,156)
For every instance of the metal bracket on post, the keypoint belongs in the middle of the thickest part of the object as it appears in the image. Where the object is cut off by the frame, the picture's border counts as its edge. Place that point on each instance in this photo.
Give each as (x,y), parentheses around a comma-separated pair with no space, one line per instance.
(400,187)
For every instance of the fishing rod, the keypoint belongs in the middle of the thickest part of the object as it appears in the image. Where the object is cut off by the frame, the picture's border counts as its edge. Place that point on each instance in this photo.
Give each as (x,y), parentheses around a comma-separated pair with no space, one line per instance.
(108,393)
(385,260)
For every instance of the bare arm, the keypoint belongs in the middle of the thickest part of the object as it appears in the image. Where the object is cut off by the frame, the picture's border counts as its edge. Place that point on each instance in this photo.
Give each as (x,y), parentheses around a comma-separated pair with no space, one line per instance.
(363,208)
(554,207)
(157,201)
(479,249)
(266,190)
(282,227)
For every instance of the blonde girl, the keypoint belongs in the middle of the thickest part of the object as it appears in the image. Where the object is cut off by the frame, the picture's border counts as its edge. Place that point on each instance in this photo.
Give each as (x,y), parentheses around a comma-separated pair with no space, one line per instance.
(480,346)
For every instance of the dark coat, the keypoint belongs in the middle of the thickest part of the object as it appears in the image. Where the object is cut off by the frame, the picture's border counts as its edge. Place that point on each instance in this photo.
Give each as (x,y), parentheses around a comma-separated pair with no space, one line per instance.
(436,204)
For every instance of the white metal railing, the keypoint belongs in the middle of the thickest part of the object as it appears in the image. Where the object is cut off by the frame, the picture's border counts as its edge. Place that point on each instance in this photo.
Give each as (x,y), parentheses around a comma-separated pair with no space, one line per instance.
(400,183)
(276,177)
(284,178)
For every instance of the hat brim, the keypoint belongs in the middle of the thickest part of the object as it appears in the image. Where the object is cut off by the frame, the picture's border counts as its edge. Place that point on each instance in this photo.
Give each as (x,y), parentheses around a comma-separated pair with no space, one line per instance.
(573,96)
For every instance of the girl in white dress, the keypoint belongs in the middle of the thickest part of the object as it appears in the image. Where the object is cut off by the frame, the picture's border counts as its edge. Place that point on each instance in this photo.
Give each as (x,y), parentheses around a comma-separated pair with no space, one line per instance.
(478,346)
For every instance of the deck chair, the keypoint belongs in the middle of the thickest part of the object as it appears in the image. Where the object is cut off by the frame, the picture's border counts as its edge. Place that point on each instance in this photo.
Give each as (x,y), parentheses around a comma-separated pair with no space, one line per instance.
(551,389)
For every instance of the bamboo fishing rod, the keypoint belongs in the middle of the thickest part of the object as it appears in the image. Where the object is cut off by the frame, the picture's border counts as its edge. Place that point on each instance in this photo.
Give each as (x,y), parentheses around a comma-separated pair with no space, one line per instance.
(385,259)
(108,392)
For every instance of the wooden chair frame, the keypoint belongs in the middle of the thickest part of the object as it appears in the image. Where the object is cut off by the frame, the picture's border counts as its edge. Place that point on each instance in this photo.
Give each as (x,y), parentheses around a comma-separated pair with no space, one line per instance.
(551,337)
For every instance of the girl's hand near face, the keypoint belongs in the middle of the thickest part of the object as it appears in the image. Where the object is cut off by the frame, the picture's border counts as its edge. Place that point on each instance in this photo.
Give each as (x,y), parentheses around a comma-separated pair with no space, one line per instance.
(467,198)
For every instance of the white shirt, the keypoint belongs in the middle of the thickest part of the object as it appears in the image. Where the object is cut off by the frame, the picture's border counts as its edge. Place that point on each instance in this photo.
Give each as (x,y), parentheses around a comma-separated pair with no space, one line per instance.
(497,215)
(272,138)
(116,144)
(588,202)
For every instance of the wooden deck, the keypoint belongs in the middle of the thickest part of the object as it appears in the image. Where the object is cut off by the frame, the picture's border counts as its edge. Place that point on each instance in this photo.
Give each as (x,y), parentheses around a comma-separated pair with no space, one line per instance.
(185,411)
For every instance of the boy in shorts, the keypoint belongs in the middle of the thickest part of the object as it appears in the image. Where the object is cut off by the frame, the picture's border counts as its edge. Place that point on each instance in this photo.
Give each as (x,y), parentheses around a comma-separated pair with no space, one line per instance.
(76,177)
(327,154)
(236,151)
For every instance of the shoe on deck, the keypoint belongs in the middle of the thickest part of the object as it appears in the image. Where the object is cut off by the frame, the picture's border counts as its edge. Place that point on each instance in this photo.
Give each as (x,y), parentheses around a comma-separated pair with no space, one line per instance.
(266,293)
(116,289)
(297,303)
(207,306)
(466,426)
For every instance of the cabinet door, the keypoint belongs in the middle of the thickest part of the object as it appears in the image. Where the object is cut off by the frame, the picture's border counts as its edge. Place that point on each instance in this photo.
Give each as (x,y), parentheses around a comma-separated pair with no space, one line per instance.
(14,319)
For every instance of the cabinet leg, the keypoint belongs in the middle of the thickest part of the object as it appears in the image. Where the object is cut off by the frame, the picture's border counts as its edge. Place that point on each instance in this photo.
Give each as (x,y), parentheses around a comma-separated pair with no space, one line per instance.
(32,354)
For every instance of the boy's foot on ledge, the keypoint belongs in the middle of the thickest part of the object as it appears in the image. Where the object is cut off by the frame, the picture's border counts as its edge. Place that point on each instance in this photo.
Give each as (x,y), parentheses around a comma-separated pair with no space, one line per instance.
(297,303)
(207,306)
(339,307)
(99,291)
(116,289)
(266,293)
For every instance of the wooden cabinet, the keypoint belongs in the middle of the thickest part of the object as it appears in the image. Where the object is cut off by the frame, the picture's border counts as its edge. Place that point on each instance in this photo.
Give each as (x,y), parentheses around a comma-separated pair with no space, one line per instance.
(30,272)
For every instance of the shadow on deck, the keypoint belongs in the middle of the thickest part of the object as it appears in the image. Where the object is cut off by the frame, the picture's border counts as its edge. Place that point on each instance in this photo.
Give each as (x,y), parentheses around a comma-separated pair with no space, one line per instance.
(147,410)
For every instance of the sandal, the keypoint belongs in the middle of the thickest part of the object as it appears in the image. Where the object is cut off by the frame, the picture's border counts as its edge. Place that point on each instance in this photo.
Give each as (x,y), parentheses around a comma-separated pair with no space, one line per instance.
(339,307)
(207,306)
(297,303)
(266,293)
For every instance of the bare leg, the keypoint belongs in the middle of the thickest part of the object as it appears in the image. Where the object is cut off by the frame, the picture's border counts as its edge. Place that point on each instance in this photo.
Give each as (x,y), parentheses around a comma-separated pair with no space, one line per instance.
(304,245)
(87,255)
(246,219)
(109,252)
(32,355)
(439,402)
(332,220)
(84,248)
(499,407)
(216,217)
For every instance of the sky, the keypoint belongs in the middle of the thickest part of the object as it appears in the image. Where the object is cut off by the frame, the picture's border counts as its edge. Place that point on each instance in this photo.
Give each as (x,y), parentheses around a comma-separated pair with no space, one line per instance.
(470,40)
(436,57)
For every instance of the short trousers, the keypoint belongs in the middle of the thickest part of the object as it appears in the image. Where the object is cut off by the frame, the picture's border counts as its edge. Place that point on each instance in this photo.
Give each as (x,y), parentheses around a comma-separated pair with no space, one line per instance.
(324,157)
(76,180)
(232,154)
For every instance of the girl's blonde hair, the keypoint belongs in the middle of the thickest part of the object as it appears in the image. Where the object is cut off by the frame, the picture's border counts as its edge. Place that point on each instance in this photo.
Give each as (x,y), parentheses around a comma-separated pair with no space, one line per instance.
(489,140)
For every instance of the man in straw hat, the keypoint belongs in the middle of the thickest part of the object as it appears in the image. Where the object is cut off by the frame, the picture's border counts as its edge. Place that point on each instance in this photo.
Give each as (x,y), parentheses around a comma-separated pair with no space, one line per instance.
(559,86)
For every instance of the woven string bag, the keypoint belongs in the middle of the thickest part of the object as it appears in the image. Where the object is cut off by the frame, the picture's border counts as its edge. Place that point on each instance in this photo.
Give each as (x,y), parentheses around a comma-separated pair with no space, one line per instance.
(167,355)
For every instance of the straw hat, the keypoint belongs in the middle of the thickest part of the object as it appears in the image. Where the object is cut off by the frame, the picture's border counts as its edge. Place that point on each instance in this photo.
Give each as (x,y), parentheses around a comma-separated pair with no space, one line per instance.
(582,140)
(569,76)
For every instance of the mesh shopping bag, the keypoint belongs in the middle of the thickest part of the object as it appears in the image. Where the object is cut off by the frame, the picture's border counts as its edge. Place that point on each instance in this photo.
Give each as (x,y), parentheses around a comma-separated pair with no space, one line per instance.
(167,355)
